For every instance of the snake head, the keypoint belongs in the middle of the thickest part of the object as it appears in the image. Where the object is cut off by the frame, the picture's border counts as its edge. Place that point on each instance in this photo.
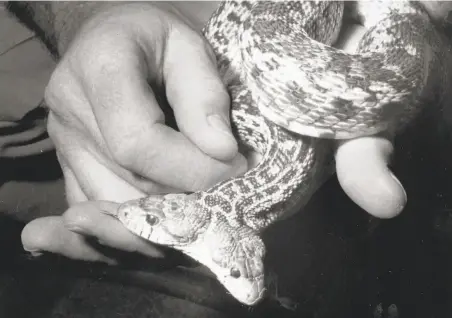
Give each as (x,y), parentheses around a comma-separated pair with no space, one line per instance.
(164,219)
(238,264)
(233,255)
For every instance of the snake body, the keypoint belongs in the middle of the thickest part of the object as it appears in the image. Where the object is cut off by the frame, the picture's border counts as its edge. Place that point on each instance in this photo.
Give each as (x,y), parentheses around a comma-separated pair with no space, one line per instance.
(291,94)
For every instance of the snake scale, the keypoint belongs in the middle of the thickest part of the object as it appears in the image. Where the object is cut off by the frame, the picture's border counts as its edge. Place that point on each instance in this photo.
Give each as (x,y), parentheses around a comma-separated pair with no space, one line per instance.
(293,93)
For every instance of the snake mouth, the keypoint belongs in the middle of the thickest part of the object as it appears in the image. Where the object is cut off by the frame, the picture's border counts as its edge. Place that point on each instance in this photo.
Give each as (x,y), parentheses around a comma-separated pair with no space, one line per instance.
(246,292)
(257,294)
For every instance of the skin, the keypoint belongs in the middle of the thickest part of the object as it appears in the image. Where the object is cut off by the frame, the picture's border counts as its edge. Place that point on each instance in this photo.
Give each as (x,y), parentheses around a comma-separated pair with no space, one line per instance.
(113,144)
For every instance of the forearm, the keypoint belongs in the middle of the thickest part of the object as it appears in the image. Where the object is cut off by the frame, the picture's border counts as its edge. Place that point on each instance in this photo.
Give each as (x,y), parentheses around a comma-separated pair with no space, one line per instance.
(55,22)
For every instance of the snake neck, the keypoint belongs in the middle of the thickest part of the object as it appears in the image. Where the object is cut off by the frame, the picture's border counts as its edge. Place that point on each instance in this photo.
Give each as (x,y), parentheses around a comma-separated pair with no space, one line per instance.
(288,170)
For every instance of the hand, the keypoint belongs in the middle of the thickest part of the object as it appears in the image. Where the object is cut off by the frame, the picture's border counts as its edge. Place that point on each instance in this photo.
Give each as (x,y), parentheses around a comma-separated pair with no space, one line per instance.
(362,163)
(109,130)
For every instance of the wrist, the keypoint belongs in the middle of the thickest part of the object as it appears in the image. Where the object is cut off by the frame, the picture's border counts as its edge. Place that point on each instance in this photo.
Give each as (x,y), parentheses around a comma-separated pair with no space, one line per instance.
(70,17)
(56,23)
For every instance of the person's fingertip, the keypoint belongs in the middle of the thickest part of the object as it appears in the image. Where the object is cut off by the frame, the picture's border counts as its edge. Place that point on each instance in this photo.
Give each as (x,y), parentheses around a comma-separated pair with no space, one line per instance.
(198,96)
(363,173)
(228,146)
(239,164)
(384,199)
(49,235)
(214,137)
(33,253)
(209,128)
(401,195)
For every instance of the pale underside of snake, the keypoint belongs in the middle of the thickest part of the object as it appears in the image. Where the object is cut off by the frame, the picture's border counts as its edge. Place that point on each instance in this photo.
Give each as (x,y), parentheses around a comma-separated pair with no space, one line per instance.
(292,93)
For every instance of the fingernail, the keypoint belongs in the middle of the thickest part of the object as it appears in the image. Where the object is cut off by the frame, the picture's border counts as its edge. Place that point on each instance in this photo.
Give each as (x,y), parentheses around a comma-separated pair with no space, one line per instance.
(75,228)
(34,253)
(220,124)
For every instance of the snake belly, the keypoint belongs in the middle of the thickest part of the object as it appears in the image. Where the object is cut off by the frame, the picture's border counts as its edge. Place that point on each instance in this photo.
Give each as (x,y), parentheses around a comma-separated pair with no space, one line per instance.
(291,94)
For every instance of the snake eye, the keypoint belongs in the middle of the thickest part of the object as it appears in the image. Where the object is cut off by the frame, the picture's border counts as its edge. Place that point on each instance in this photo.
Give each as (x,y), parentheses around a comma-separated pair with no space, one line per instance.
(152,219)
(235,272)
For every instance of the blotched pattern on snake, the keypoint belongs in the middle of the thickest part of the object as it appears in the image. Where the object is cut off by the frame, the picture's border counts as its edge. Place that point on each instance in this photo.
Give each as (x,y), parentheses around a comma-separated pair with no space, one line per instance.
(291,94)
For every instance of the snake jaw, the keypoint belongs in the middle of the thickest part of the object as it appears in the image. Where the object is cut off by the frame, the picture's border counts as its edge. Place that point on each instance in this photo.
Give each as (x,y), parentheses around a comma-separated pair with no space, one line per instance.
(236,258)
(242,278)
(248,293)
(246,287)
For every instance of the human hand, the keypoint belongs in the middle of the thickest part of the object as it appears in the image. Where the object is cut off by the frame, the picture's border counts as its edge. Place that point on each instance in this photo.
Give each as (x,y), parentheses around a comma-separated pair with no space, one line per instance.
(109,130)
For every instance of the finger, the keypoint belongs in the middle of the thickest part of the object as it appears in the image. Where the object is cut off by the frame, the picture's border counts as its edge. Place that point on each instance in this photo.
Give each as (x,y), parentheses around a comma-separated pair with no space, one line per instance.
(88,219)
(98,182)
(74,192)
(48,234)
(87,177)
(197,94)
(132,125)
(362,170)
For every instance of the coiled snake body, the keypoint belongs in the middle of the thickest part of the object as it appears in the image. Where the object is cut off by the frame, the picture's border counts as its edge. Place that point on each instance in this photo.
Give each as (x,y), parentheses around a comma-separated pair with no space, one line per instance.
(291,94)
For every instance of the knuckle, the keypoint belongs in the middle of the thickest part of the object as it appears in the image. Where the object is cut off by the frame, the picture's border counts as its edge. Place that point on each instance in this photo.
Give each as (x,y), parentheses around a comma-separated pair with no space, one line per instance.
(59,132)
(102,56)
(56,89)
(129,152)
(63,89)
(52,127)
(140,147)
(121,153)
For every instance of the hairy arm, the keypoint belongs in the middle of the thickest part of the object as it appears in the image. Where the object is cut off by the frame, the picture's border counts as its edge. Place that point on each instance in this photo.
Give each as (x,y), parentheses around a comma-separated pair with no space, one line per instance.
(55,22)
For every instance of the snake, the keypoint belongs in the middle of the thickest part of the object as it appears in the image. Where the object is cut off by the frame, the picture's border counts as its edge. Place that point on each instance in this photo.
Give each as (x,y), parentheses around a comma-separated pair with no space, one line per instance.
(292,95)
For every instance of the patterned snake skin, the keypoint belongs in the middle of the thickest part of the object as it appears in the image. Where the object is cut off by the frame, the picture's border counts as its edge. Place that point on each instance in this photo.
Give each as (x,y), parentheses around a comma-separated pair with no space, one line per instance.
(291,95)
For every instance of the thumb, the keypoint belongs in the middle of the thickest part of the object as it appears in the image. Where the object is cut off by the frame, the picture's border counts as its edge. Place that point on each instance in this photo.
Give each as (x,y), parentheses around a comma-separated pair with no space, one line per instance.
(362,170)
(197,95)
